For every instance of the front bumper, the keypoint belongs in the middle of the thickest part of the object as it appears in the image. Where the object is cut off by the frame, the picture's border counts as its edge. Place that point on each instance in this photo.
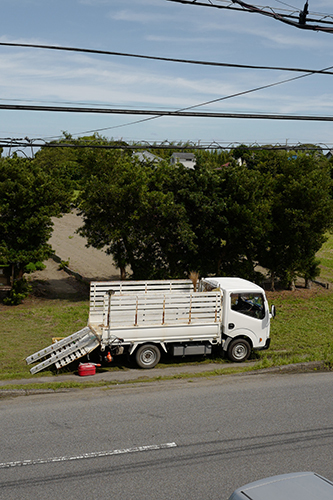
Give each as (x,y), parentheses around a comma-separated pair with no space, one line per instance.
(266,346)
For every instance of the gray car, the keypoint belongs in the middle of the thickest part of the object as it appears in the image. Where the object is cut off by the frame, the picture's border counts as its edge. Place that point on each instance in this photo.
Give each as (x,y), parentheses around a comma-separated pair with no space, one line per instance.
(296,486)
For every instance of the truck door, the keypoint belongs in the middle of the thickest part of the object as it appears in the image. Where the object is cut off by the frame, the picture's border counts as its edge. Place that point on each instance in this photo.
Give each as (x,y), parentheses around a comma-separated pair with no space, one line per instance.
(248,315)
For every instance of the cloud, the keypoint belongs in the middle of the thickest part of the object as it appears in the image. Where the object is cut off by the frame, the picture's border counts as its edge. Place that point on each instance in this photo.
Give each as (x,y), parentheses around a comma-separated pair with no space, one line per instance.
(124,2)
(140,17)
(322,4)
(281,36)
(82,78)
(179,39)
(47,76)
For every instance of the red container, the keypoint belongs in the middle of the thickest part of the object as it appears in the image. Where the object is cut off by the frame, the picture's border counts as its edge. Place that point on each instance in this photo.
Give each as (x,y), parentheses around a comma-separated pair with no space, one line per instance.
(86,369)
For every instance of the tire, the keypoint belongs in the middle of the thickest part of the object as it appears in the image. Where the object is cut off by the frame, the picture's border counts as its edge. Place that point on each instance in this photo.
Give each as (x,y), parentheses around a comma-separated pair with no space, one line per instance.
(147,356)
(239,350)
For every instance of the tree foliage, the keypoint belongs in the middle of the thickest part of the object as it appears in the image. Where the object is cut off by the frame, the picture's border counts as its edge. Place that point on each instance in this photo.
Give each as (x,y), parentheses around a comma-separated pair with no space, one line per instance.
(300,210)
(225,217)
(127,211)
(30,196)
(234,213)
(301,215)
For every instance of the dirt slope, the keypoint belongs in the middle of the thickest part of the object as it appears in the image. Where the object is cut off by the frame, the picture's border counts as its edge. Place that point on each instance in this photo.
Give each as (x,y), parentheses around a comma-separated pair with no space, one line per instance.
(91,264)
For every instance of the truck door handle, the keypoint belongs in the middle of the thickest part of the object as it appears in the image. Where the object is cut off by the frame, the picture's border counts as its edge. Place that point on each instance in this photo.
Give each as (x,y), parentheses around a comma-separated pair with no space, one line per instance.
(231,326)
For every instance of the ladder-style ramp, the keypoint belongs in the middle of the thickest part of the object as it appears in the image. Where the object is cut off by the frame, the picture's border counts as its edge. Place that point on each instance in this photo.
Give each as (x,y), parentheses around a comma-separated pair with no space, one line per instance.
(65,351)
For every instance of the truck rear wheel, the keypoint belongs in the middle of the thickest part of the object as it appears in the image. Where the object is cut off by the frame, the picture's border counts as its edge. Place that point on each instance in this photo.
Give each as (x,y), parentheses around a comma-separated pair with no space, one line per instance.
(147,356)
(239,350)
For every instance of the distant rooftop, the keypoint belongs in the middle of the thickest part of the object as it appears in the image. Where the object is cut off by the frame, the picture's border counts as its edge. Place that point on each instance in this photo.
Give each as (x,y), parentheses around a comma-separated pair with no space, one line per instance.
(146,156)
(186,159)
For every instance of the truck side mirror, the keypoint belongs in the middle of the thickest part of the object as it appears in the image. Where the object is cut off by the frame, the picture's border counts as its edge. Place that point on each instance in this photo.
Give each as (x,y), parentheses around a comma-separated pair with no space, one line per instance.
(273,311)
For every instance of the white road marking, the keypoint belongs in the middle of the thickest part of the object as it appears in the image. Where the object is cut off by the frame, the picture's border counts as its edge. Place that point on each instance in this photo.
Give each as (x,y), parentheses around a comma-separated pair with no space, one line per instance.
(94,454)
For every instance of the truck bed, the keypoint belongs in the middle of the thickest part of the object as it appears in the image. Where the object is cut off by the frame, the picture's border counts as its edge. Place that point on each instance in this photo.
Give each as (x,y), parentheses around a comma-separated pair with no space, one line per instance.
(161,316)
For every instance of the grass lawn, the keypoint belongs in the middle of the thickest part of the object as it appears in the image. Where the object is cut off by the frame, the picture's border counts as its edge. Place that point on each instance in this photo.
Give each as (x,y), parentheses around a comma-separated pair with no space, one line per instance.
(301,331)
(325,255)
(31,326)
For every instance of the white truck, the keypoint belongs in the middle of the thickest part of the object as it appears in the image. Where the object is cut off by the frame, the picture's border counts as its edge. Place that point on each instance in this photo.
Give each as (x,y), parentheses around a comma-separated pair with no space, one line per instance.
(148,318)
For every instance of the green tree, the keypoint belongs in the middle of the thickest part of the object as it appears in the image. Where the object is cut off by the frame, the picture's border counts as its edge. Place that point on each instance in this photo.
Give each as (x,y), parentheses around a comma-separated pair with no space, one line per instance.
(248,214)
(302,213)
(127,212)
(229,213)
(30,196)
(297,188)
(201,193)
(223,217)
(63,163)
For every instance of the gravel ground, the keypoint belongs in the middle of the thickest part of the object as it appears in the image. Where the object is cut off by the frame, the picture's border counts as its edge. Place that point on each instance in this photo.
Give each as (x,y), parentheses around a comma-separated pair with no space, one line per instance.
(91,264)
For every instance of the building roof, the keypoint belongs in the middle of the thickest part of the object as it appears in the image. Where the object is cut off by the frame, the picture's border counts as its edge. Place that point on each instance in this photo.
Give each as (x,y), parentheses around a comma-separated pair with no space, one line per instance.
(146,156)
(186,159)
(183,156)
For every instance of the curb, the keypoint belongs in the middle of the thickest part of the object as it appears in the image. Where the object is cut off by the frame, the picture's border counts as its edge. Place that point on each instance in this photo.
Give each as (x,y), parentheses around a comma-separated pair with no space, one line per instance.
(156,375)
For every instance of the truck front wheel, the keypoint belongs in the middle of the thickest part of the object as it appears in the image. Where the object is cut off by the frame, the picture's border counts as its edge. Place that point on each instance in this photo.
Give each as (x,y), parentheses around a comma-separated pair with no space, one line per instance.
(239,350)
(147,356)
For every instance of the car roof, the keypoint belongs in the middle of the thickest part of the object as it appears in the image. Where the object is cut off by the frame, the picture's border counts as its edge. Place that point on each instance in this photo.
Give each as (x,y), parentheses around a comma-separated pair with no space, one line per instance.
(233,284)
(294,486)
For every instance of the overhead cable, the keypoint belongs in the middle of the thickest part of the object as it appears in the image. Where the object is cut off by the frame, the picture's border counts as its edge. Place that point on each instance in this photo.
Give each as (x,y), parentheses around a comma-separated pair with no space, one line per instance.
(297,19)
(206,114)
(213,101)
(8,142)
(165,59)
(306,71)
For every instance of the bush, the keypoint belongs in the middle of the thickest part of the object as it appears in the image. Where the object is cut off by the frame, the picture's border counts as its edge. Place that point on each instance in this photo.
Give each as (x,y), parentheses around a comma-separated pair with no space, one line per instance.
(34,266)
(63,264)
(18,293)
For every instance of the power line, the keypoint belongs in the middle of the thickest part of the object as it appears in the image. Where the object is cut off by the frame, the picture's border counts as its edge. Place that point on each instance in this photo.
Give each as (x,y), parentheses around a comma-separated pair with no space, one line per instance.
(253,116)
(16,146)
(157,114)
(12,143)
(307,72)
(298,19)
(213,101)
(232,5)
(287,5)
(165,59)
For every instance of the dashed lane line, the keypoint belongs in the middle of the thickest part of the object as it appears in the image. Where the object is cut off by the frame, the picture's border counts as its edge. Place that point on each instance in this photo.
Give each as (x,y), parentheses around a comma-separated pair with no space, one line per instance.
(84,456)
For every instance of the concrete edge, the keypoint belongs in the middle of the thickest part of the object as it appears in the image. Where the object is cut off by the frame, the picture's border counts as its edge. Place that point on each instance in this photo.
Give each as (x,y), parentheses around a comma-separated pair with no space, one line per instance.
(115,378)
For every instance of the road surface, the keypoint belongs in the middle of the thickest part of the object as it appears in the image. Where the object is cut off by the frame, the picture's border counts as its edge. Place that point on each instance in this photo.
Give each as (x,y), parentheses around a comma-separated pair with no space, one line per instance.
(167,440)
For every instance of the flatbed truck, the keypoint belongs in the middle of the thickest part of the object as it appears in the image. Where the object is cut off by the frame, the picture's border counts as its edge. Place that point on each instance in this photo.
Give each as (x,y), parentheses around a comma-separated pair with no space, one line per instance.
(147,319)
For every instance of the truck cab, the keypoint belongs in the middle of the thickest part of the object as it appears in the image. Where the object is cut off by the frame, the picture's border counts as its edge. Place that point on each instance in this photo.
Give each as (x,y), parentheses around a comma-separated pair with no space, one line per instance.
(246,316)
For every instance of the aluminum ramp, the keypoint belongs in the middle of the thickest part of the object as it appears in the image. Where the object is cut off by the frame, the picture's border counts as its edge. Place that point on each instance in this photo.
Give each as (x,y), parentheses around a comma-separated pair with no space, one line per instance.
(65,351)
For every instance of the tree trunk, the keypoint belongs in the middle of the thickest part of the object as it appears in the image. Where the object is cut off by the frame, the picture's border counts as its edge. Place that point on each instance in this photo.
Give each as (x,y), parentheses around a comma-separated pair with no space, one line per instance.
(122,273)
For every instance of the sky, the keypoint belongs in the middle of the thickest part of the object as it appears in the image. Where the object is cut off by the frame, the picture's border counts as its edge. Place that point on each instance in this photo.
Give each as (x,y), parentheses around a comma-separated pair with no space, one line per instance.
(164,29)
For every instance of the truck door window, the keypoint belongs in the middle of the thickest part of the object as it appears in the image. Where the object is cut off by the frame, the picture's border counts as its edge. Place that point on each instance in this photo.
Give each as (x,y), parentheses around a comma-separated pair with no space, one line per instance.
(251,304)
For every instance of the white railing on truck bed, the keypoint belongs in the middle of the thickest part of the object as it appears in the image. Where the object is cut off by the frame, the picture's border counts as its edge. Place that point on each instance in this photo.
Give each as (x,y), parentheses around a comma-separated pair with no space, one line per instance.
(123,311)
(98,290)
(162,309)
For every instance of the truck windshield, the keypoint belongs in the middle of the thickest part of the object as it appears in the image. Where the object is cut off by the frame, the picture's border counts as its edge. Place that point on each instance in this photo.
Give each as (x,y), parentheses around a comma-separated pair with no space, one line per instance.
(248,303)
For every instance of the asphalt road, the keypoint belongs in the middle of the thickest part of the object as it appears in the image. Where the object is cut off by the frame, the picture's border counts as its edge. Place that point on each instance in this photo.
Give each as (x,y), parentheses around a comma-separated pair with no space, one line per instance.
(196,439)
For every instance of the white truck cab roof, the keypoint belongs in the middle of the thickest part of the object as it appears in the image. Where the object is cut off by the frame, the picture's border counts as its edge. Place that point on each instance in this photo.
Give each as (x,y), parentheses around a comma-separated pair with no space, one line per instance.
(233,284)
